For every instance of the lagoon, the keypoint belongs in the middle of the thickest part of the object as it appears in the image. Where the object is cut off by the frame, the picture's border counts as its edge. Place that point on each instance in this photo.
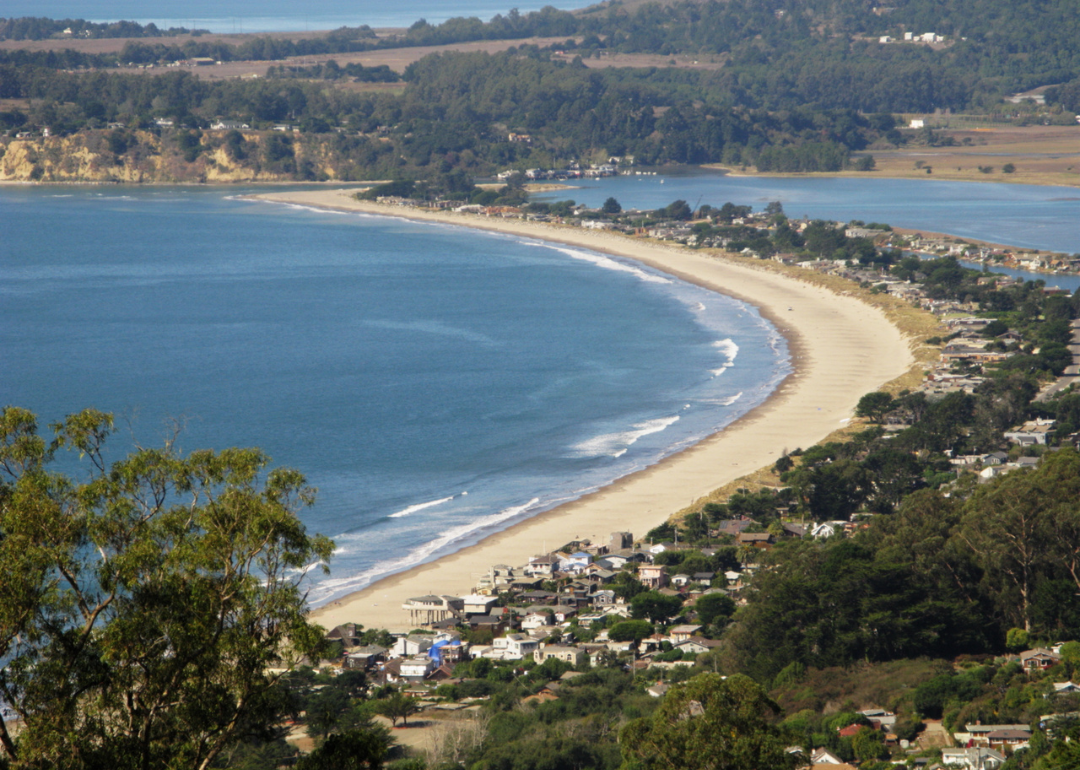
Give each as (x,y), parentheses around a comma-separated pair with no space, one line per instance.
(1027,216)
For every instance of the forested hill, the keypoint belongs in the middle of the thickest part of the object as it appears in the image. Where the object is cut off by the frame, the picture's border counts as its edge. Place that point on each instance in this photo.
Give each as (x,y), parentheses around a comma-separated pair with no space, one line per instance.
(779,54)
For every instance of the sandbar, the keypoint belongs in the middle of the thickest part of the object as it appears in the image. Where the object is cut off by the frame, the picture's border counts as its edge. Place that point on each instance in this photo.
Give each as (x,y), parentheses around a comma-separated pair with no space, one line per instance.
(841,349)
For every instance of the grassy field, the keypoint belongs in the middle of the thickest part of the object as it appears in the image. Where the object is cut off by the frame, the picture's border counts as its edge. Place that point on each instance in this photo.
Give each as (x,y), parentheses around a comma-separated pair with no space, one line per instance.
(1043,155)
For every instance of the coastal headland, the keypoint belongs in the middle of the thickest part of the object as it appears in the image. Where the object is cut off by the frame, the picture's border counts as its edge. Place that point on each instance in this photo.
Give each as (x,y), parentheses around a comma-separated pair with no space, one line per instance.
(841,349)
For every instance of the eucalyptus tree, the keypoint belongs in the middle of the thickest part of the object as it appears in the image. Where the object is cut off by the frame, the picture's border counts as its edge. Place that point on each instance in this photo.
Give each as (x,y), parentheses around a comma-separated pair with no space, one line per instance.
(144,601)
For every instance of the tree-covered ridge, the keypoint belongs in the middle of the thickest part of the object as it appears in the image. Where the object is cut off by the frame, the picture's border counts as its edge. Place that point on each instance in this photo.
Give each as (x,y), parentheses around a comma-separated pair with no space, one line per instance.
(457,111)
(41,28)
(779,54)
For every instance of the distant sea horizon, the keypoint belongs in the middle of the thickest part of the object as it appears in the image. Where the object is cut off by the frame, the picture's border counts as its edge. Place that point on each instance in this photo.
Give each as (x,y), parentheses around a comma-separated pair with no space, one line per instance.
(238,16)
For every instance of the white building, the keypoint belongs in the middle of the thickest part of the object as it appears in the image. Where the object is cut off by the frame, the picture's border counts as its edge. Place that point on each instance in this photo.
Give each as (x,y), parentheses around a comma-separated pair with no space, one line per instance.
(513,647)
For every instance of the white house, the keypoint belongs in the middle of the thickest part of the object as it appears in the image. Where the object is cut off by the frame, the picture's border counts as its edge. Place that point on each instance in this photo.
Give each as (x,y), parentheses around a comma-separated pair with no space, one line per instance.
(417,667)
(408,646)
(976,758)
(513,646)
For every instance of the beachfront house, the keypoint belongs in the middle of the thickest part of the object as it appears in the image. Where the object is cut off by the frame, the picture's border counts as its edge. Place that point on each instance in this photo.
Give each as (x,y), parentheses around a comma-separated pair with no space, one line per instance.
(431,609)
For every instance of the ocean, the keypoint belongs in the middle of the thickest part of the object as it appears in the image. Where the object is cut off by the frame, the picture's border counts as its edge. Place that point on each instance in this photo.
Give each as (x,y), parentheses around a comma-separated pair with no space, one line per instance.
(232,16)
(435,383)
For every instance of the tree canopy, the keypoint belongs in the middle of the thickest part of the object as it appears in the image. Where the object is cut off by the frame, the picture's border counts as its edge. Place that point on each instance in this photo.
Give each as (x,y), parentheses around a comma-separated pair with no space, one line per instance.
(144,601)
(709,723)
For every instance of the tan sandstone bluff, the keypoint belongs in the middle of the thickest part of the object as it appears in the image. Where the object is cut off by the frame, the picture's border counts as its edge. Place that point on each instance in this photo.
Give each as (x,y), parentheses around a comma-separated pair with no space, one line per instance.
(841,349)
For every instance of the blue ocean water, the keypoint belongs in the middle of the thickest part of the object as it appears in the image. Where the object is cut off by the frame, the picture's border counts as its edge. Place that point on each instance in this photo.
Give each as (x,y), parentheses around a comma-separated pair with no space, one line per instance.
(435,383)
(231,16)
(1027,216)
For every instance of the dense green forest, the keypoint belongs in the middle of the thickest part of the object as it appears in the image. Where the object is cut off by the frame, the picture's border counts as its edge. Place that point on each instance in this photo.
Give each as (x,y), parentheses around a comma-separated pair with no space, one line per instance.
(456,111)
(41,28)
(779,54)
(801,86)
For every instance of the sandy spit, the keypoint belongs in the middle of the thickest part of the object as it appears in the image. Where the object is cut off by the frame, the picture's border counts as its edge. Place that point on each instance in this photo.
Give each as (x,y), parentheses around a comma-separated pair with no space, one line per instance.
(841,349)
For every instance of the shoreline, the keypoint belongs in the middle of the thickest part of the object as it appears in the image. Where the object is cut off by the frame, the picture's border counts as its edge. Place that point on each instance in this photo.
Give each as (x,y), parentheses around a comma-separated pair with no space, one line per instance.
(841,348)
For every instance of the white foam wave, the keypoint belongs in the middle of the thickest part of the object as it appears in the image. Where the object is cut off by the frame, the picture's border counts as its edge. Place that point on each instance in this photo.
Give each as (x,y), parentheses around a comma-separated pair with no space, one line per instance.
(420,507)
(418,555)
(617,444)
(316,209)
(728,348)
(722,401)
(611,264)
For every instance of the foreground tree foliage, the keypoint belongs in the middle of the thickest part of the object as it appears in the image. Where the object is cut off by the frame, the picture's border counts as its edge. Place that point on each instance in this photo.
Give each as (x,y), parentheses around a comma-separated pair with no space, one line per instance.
(144,602)
(708,723)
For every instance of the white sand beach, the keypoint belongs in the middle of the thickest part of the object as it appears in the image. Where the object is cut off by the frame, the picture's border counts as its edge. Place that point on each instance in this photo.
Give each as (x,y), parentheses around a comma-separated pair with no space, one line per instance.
(842,348)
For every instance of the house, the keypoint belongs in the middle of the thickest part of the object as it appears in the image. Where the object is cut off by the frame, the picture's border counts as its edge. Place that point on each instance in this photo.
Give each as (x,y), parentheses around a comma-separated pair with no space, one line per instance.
(534,620)
(734,526)
(653,575)
(1038,658)
(603,598)
(851,730)
(347,634)
(1065,688)
(682,633)
(755,539)
(827,529)
(1001,738)
(697,645)
(572,655)
(794,530)
(1031,432)
(541,565)
(475,604)
(417,668)
(426,610)
(824,757)
(449,650)
(361,658)
(974,758)
(228,125)
(979,734)
(658,690)
(880,718)
(513,647)
(416,644)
